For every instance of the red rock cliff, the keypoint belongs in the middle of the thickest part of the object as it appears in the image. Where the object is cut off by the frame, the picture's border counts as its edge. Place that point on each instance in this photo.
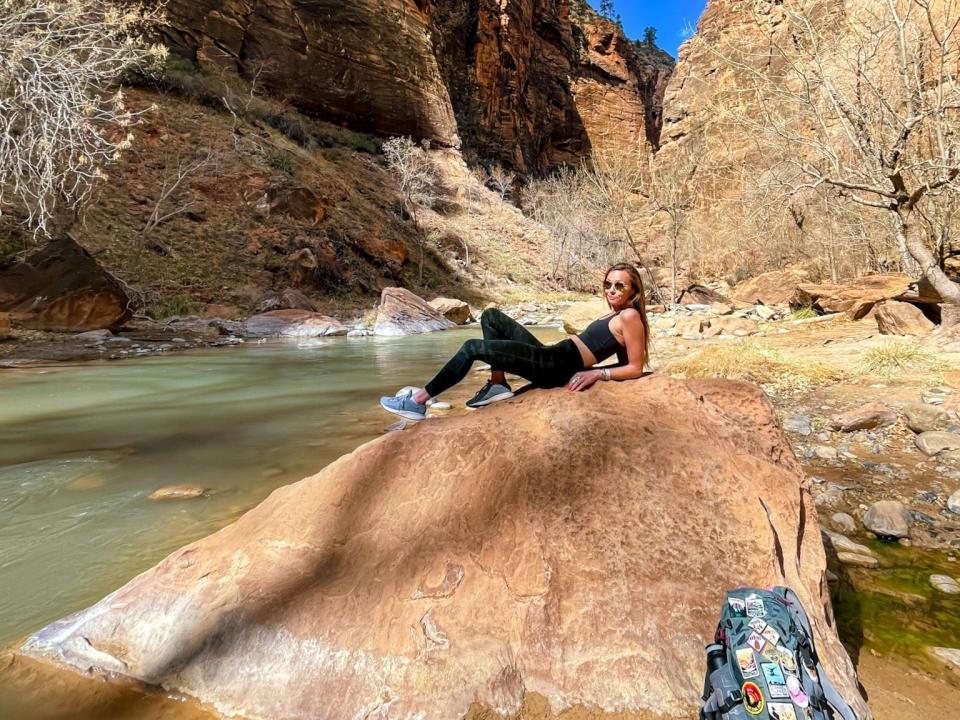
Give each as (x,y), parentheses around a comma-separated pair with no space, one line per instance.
(531,83)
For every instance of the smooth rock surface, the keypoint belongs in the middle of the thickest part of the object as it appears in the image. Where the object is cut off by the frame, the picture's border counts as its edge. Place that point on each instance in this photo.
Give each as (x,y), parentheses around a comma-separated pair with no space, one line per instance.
(934,442)
(292,324)
(888,518)
(456,311)
(923,417)
(843,522)
(402,313)
(945,584)
(62,288)
(866,417)
(858,560)
(858,297)
(740,327)
(901,318)
(422,572)
(770,288)
(841,543)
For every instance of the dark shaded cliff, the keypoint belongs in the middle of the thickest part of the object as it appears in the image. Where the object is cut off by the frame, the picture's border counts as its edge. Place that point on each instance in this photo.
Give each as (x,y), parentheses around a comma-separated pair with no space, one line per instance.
(529,83)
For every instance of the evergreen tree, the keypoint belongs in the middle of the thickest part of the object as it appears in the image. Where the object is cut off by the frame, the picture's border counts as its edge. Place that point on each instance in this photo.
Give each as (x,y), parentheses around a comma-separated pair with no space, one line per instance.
(608,11)
(650,36)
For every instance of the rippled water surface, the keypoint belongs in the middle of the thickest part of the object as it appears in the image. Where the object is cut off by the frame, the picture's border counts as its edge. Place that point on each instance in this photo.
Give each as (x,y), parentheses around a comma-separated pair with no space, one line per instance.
(82,446)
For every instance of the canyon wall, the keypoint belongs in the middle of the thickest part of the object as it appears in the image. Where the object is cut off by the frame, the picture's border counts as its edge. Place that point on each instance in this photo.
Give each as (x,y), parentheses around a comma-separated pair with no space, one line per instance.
(529,83)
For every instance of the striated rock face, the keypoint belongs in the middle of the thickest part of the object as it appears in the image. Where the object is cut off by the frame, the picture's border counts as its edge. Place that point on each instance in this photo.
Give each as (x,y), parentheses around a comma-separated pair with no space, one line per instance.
(518,81)
(482,557)
(402,313)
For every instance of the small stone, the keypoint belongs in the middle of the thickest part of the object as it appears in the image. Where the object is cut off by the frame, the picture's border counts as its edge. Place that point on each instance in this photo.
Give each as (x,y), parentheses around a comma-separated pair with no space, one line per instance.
(823,437)
(865,417)
(888,518)
(905,542)
(934,441)
(953,503)
(858,560)
(799,424)
(178,492)
(945,584)
(843,522)
(825,452)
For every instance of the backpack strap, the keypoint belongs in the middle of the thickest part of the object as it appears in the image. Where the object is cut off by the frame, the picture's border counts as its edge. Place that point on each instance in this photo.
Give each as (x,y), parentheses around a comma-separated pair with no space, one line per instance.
(822,686)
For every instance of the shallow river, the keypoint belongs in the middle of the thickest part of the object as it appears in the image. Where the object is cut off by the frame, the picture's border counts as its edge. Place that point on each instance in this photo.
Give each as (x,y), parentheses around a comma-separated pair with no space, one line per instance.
(82,446)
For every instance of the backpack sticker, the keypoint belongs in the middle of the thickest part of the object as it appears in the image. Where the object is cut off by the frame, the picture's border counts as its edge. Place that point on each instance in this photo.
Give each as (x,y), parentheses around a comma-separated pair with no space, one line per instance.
(738,607)
(756,641)
(753,698)
(747,663)
(755,607)
(771,635)
(778,691)
(782,711)
(770,653)
(795,689)
(758,625)
(786,659)
(773,674)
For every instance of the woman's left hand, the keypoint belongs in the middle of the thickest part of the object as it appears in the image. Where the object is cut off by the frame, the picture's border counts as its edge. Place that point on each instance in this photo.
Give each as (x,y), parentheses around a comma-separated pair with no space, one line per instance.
(583,379)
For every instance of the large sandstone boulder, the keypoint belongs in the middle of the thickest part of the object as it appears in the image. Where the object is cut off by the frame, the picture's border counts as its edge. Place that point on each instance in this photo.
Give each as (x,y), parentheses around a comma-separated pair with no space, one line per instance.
(440,566)
(901,318)
(62,288)
(858,297)
(770,288)
(700,295)
(576,317)
(456,311)
(403,313)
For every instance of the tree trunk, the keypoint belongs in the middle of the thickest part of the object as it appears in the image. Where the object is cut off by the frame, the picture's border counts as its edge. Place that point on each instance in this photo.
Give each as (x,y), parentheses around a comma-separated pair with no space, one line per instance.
(673,262)
(930,269)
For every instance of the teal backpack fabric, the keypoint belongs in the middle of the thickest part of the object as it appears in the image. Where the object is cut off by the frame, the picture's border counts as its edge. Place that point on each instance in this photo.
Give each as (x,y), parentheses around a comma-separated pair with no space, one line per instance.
(763,664)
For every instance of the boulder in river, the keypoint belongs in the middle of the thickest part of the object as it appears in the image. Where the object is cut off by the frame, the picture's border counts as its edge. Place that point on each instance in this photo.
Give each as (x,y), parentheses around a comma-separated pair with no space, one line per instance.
(402,313)
(62,288)
(179,492)
(865,417)
(292,324)
(439,566)
(456,311)
(945,584)
(888,519)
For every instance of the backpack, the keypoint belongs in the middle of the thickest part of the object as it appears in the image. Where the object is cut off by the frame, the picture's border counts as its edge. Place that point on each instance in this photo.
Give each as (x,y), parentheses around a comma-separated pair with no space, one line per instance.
(763,664)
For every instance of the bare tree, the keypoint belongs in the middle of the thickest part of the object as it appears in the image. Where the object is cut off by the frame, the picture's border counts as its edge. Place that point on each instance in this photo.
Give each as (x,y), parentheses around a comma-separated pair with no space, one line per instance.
(418,179)
(863,100)
(169,203)
(501,179)
(62,119)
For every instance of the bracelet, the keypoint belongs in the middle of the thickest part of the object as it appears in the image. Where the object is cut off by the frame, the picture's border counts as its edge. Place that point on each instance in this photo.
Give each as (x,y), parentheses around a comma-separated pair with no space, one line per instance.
(605,373)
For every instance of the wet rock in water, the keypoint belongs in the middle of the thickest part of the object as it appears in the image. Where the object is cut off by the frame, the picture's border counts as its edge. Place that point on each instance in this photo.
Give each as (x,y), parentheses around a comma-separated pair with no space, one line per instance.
(922,417)
(901,318)
(92,337)
(62,288)
(799,424)
(858,560)
(888,519)
(934,442)
(402,313)
(843,522)
(292,324)
(179,492)
(866,417)
(953,503)
(841,543)
(414,561)
(945,584)
(951,656)
(456,311)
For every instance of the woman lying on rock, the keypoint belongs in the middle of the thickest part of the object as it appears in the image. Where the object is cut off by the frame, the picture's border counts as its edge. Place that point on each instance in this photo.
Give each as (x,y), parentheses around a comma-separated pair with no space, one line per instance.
(508,347)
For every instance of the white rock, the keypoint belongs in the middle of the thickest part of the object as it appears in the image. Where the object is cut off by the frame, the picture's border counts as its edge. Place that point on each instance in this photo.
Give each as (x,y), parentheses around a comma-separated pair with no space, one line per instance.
(945,584)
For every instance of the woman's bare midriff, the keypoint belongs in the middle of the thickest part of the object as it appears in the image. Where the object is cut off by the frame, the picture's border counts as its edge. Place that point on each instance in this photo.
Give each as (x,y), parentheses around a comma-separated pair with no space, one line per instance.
(588,359)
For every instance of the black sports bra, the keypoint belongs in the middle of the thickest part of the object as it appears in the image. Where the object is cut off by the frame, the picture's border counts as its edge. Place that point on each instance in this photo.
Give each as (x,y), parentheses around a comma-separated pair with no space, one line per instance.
(600,340)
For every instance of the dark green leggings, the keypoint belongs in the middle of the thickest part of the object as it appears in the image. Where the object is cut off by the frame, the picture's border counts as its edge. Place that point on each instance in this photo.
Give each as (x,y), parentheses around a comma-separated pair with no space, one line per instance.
(510,347)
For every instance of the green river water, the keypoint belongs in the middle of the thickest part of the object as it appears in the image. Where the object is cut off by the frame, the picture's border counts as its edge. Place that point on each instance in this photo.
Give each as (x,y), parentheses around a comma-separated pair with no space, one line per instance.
(82,446)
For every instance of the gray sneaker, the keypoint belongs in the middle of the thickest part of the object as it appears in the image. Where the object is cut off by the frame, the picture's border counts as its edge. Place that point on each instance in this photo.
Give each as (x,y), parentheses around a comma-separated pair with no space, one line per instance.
(404,406)
(490,393)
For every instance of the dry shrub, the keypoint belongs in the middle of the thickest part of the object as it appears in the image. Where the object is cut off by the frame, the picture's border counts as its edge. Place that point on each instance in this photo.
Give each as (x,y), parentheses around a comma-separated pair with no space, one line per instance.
(754,362)
(896,358)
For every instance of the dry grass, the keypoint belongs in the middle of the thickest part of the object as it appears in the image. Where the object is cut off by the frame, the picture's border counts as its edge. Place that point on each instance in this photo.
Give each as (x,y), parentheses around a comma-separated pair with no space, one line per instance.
(754,362)
(895,358)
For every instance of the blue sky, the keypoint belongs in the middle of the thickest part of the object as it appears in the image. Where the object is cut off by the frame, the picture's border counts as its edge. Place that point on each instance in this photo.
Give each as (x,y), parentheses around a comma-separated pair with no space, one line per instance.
(669,17)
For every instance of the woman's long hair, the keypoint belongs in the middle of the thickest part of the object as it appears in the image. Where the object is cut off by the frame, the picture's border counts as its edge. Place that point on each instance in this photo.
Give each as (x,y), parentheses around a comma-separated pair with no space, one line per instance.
(638,302)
